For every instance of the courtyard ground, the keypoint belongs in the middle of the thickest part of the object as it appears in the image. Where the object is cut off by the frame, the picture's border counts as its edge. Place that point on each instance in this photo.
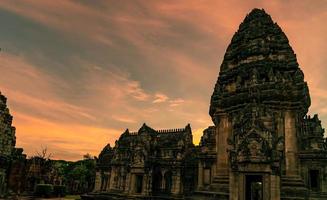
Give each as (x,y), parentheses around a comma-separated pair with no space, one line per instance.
(68,197)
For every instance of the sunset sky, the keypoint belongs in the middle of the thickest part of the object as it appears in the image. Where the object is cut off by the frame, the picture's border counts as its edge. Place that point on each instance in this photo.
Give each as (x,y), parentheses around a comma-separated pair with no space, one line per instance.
(78,73)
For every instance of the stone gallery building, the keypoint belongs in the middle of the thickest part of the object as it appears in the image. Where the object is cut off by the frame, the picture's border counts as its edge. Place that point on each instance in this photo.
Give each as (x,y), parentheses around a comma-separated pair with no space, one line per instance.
(149,162)
(262,145)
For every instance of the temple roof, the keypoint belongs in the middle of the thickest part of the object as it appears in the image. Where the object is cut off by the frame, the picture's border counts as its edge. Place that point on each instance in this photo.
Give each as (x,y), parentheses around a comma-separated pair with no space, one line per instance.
(259,36)
(164,137)
(259,66)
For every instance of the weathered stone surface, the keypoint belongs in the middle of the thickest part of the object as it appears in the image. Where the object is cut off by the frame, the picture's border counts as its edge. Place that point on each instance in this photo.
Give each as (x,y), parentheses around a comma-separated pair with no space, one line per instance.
(259,105)
(259,65)
(7,143)
(262,146)
(7,131)
(148,163)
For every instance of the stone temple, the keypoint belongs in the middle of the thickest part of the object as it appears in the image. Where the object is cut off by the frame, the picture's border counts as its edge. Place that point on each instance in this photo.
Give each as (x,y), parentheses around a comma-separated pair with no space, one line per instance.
(7,143)
(263,145)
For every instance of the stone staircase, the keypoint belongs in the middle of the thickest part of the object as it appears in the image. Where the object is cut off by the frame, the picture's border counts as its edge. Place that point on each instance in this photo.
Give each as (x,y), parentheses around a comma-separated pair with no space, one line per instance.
(317,195)
(208,195)
(120,196)
(218,189)
(293,188)
(220,184)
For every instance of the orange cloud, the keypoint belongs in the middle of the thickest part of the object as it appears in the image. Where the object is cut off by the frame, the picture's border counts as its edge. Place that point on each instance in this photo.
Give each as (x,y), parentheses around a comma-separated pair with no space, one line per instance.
(159,98)
(64,141)
(172,47)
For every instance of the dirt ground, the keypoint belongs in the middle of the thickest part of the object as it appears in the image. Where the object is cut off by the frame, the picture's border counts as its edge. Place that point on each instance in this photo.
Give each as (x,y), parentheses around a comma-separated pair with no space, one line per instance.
(69,197)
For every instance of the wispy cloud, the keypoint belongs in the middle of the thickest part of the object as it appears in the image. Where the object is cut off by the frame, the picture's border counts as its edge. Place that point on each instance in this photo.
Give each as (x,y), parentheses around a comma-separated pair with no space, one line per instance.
(124,119)
(73,68)
(160,98)
(176,102)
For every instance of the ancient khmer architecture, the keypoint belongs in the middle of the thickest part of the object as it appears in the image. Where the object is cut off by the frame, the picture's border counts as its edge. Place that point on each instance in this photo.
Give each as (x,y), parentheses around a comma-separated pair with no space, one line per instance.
(263,145)
(12,160)
(7,143)
(148,162)
(266,146)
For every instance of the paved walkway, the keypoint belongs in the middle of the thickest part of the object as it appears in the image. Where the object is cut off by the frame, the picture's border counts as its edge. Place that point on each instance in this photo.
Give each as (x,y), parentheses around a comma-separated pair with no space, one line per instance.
(33,198)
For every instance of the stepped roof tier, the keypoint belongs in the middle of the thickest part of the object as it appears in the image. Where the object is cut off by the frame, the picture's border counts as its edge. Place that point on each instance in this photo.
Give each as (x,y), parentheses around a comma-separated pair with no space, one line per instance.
(259,66)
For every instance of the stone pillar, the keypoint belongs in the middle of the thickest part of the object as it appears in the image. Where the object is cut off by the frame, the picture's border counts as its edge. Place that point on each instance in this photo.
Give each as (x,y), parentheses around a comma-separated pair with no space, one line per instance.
(150,183)
(291,150)
(274,187)
(97,184)
(234,184)
(108,182)
(112,179)
(132,185)
(200,175)
(145,185)
(119,180)
(223,130)
(2,183)
(128,180)
(324,181)
(213,171)
(177,183)
(163,181)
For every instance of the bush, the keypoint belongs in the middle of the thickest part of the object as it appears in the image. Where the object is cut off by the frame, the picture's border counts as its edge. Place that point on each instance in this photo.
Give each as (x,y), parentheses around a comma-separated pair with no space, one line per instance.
(43,190)
(59,190)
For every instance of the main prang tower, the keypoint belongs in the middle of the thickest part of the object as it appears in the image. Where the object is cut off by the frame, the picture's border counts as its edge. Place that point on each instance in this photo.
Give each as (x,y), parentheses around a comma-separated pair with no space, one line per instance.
(258,106)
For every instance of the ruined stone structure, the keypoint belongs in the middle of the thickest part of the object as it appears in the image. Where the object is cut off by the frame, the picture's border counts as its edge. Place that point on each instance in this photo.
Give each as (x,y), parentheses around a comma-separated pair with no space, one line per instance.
(262,145)
(7,144)
(148,163)
(16,173)
(266,146)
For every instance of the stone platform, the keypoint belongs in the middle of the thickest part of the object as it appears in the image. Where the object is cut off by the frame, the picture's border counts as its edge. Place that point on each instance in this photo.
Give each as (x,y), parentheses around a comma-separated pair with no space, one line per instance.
(119,196)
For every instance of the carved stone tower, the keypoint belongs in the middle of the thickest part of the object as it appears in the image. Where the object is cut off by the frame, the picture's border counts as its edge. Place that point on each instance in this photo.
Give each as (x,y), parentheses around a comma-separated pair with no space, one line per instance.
(259,99)
(262,145)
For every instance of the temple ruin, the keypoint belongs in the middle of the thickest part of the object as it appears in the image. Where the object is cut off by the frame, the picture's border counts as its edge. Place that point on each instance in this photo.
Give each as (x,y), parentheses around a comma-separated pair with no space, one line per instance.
(263,145)
(7,143)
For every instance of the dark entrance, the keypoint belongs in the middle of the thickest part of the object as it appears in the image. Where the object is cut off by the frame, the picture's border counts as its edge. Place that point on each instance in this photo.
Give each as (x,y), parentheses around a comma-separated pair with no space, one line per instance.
(139,183)
(156,180)
(168,181)
(253,187)
(314,180)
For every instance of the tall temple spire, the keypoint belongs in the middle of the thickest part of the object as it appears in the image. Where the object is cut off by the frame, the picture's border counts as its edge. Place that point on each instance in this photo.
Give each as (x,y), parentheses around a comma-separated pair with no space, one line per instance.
(258,59)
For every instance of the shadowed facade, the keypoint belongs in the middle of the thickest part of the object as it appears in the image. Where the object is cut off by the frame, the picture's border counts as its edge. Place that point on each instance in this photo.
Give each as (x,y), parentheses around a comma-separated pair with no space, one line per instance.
(259,108)
(12,160)
(7,143)
(148,163)
(262,144)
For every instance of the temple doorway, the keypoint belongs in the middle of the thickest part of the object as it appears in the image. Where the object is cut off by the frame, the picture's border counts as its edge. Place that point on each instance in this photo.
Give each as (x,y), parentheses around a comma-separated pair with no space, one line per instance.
(139,183)
(156,180)
(168,181)
(253,187)
(314,180)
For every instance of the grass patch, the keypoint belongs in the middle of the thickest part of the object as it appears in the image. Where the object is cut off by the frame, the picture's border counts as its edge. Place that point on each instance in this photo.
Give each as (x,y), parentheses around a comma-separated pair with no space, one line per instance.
(72,197)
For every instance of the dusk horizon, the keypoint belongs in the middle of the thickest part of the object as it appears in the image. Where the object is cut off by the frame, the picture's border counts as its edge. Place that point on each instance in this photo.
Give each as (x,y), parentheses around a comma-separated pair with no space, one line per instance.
(77,75)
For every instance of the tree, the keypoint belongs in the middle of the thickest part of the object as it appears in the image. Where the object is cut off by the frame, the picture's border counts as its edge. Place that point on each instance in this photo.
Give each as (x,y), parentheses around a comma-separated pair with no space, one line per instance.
(88,157)
(44,154)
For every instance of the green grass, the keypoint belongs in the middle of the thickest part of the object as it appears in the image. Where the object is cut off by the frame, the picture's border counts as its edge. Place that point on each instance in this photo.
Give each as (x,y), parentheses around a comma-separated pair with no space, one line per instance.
(72,197)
